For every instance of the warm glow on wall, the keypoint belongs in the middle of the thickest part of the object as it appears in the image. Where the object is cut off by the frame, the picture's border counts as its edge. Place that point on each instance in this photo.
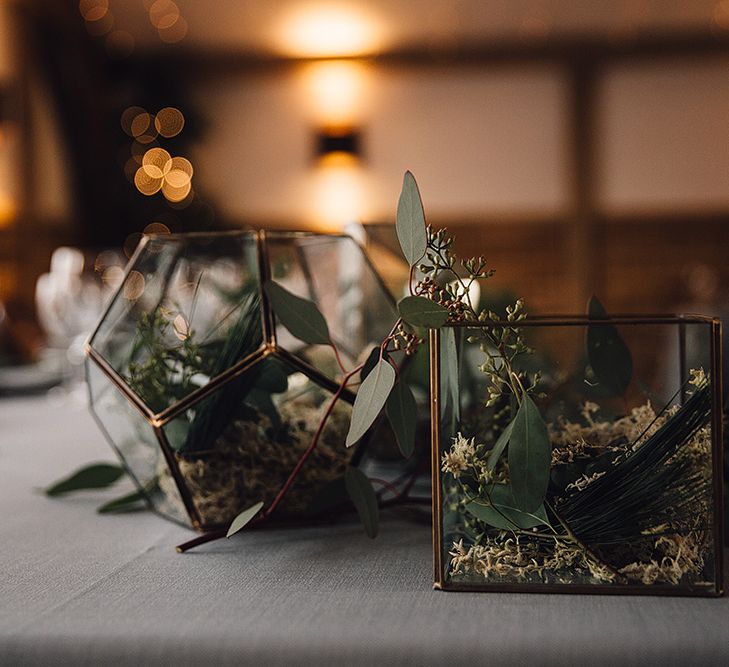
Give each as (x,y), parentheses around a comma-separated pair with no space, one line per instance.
(7,210)
(327,29)
(337,197)
(336,91)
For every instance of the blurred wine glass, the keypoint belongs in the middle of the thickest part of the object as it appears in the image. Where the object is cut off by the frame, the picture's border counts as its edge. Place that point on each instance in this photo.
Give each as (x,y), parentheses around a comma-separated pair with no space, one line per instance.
(69,301)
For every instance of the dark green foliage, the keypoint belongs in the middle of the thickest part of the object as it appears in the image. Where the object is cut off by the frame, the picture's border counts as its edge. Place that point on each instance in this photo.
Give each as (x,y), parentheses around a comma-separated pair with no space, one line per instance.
(502,511)
(214,414)
(420,311)
(131,502)
(363,496)
(450,385)
(608,355)
(402,411)
(300,316)
(530,454)
(94,476)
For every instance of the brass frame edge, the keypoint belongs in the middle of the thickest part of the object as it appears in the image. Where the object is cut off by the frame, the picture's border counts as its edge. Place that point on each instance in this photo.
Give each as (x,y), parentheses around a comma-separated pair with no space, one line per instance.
(437,508)
(174,469)
(120,384)
(717,441)
(202,393)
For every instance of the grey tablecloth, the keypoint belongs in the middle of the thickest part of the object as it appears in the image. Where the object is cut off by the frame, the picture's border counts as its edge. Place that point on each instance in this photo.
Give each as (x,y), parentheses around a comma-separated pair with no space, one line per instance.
(79,588)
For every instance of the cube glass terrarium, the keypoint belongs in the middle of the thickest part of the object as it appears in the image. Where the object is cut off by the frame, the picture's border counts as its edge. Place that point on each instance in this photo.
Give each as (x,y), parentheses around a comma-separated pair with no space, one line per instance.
(633,458)
(208,401)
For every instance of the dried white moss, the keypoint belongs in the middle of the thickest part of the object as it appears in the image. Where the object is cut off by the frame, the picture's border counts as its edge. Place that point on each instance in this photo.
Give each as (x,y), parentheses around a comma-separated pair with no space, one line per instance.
(248,465)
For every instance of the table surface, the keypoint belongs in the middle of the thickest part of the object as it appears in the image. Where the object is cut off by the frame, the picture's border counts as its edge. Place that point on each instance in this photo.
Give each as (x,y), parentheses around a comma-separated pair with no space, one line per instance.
(81,588)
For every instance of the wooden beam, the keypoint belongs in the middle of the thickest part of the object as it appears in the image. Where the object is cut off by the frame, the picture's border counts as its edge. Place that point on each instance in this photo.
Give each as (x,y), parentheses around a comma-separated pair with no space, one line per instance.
(221,63)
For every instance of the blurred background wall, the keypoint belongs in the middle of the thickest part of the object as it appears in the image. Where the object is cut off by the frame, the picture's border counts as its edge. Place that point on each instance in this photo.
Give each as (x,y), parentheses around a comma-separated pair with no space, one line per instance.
(581,146)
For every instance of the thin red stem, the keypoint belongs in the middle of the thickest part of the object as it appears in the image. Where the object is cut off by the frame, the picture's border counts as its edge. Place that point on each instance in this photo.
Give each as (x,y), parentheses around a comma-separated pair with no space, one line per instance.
(413,477)
(339,359)
(314,441)
(201,539)
(394,502)
(387,486)
(218,534)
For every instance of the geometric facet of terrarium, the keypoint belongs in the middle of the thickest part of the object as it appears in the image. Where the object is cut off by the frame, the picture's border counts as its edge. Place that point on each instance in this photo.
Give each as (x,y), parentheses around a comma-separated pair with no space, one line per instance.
(629,497)
(208,400)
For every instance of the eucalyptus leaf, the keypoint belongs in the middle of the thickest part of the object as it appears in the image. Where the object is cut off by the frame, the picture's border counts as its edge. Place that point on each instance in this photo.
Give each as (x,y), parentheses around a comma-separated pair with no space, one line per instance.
(130,502)
(243,519)
(261,400)
(272,376)
(370,400)
(331,495)
(372,358)
(530,457)
(95,476)
(300,316)
(501,511)
(410,221)
(450,382)
(363,496)
(402,411)
(420,311)
(607,353)
(499,447)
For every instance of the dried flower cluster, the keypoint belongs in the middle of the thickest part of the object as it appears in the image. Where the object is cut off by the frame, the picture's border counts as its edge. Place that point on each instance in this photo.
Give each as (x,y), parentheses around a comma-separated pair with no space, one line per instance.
(506,557)
(467,456)
(249,463)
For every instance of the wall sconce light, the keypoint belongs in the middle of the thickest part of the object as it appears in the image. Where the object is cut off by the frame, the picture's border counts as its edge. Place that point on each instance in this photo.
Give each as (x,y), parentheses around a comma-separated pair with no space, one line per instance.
(338,146)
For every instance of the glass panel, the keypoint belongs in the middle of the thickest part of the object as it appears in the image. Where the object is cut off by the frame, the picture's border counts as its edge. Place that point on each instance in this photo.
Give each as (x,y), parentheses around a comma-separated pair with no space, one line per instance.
(134,441)
(188,310)
(333,272)
(238,446)
(626,457)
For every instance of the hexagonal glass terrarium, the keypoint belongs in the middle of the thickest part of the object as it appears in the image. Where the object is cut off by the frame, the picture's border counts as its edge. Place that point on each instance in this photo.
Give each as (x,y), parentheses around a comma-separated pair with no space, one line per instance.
(603,476)
(208,401)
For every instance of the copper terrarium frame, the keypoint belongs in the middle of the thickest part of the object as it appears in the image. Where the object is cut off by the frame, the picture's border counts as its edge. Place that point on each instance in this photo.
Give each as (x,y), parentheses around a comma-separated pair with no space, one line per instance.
(442,582)
(270,347)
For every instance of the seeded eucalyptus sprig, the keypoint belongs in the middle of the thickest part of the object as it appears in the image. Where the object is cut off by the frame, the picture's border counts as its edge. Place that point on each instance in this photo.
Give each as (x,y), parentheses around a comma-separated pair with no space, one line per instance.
(443,295)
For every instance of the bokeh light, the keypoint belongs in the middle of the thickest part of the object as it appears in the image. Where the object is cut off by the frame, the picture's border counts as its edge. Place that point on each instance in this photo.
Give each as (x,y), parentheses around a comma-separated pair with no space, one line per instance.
(127,118)
(145,183)
(112,276)
(182,329)
(156,228)
(140,124)
(101,26)
(163,14)
(93,10)
(156,163)
(131,243)
(176,194)
(134,286)
(175,33)
(169,122)
(721,14)
(105,259)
